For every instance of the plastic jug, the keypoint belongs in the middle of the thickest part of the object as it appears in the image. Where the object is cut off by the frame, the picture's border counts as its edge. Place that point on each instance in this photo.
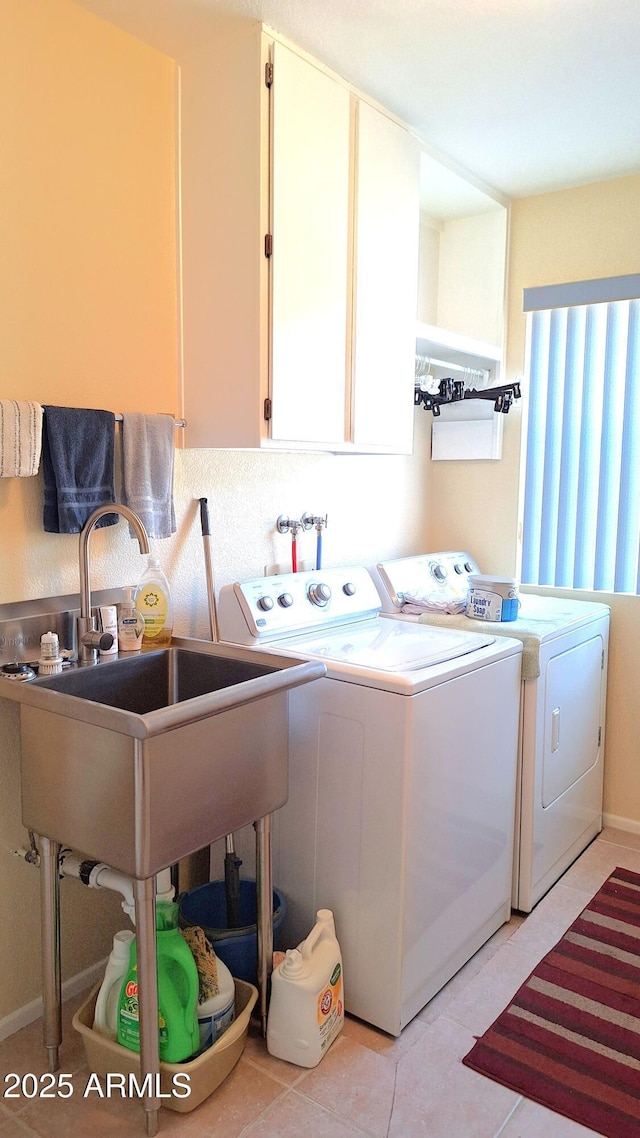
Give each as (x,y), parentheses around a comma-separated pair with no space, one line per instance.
(178,1034)
(106,1012)
(217,994)
(306,1011)
(217,1013)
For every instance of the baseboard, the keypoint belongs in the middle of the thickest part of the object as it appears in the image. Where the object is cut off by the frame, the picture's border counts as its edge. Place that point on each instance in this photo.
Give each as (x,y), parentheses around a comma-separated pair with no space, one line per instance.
(30,1012)
(628,824)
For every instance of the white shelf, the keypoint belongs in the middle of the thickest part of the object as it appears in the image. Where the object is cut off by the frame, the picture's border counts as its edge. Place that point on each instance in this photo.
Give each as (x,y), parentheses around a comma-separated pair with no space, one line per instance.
(439,343)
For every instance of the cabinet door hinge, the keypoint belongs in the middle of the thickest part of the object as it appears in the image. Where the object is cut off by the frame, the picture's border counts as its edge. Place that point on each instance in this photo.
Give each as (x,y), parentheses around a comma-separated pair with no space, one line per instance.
(267,409)
(602,662)
(268,244)
(268,74)
(599,736)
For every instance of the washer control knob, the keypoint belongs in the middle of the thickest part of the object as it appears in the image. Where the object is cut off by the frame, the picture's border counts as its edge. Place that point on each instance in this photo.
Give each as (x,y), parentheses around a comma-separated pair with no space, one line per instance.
(349,588)
(286,600)
(319,594)
(468,566)
(265,603)
(439,572)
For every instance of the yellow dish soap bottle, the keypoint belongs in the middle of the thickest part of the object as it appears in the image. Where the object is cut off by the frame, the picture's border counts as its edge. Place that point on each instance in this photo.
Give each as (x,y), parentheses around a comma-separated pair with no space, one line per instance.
(153,602)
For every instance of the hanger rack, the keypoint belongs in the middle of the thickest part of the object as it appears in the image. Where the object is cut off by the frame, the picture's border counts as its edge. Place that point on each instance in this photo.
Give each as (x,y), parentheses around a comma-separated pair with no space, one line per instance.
(453,391)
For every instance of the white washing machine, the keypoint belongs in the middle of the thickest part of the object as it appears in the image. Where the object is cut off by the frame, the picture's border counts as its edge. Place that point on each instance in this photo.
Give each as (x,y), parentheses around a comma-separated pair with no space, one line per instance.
(563,704)
(402,783)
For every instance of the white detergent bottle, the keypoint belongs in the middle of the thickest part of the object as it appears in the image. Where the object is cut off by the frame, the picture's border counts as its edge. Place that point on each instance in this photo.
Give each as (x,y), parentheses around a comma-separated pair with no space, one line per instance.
(306,1010)
(106,1013)
(217,1013)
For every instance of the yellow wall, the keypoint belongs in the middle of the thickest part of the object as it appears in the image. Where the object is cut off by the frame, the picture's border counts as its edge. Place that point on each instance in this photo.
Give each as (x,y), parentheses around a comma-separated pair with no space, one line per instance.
(88,318)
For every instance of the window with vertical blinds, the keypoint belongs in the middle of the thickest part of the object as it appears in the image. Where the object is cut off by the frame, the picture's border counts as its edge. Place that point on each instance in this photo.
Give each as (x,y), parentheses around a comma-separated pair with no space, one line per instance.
(581,524)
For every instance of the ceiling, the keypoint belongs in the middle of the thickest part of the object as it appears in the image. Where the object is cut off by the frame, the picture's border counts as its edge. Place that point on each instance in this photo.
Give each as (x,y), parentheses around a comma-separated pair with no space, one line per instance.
(527,95)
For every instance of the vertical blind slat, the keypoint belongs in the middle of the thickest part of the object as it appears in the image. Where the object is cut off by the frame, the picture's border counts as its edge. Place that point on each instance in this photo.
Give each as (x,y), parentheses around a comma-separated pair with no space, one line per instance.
(539,349)
(610,450)
(553,442)
(626,571)
(588,473)
(570,448)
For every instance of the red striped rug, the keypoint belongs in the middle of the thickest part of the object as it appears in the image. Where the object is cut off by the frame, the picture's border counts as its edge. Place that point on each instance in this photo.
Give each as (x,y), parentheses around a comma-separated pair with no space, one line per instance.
(570,1038)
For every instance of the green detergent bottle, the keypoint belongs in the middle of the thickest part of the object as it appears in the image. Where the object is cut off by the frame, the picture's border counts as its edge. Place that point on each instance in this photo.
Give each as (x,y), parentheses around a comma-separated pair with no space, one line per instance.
(178,986)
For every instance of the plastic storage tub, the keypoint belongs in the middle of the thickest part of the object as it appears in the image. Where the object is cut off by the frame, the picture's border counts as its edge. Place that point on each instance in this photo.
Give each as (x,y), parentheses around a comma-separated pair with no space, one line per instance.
(205,1072)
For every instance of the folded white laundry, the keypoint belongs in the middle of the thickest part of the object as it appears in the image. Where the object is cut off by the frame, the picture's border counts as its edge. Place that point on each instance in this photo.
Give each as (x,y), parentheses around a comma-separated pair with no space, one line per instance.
(424,602)
(20,438)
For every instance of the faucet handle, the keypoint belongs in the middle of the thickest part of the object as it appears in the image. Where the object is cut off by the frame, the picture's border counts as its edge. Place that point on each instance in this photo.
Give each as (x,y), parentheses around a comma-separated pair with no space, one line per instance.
(99,640)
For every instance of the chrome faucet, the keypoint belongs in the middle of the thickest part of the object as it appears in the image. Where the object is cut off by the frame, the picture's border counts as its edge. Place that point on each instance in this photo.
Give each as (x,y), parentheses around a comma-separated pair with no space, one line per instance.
(89,639)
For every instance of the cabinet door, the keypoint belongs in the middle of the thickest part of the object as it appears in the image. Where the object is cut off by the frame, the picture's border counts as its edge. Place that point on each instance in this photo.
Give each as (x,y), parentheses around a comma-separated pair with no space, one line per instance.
(310,227)
(387,239)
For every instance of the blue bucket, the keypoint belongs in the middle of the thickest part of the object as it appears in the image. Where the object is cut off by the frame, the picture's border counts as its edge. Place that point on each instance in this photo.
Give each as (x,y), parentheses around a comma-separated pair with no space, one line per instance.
(237,948)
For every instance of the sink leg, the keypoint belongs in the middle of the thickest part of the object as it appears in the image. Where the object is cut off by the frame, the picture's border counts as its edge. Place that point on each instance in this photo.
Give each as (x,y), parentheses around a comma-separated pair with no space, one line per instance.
(264,886)
(50,940)
(144,898)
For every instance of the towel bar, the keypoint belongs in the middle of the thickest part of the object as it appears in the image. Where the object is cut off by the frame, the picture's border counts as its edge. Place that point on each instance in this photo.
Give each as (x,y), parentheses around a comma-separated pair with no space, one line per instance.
(176,422)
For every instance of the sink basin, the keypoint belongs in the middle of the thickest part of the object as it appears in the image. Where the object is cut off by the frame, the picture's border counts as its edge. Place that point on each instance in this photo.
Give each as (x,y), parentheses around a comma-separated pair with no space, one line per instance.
(152,680)
(141,760)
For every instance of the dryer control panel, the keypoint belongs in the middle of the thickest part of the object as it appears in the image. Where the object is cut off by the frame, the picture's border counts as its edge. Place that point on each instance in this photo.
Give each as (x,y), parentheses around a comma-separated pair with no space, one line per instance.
(428,574)
(267,608)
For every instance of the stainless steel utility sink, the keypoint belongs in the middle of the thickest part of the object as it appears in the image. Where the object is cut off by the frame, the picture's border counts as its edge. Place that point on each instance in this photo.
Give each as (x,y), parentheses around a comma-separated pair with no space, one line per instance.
(141,760)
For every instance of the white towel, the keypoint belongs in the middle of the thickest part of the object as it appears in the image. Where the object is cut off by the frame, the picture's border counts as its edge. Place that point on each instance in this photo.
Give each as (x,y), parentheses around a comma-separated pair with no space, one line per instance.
(20,438)
(147,471)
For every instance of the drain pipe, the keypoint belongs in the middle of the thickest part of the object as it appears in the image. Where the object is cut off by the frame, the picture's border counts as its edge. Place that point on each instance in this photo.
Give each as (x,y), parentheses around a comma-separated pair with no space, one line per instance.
(97,875)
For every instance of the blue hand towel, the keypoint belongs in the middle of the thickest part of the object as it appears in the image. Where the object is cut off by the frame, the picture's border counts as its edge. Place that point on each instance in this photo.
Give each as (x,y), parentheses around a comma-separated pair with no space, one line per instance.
(147,471)
(78,447)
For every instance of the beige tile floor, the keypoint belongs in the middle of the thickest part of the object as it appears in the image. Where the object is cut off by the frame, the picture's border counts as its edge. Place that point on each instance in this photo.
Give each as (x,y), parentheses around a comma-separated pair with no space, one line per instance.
(369,1083)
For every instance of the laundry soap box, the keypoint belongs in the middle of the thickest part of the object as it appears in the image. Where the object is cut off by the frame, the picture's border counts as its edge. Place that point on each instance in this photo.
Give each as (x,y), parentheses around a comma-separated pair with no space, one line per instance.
(492,598)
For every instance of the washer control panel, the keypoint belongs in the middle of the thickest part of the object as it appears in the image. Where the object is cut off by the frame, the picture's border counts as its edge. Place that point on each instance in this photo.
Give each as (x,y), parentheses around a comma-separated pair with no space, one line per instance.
(268,607)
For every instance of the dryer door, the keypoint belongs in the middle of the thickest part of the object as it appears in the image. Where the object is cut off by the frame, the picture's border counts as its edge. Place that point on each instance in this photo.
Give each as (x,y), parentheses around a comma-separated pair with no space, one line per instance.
(572,716)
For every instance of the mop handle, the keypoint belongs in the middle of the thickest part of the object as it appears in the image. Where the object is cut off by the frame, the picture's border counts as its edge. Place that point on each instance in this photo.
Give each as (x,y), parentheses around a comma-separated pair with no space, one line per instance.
(206,534)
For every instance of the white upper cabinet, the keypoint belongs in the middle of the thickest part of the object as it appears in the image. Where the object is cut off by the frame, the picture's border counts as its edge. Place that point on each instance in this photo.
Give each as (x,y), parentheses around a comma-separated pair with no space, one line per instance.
(310,264)
(385,281)
(300,230)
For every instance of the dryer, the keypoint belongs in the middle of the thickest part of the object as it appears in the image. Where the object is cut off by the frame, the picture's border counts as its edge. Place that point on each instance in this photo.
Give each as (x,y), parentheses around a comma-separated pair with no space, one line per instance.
(562,708)
(402,783)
